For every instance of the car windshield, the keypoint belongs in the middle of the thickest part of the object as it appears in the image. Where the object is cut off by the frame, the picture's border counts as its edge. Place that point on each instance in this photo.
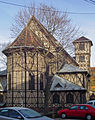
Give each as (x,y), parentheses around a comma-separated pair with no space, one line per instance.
(92,106)
(29,113)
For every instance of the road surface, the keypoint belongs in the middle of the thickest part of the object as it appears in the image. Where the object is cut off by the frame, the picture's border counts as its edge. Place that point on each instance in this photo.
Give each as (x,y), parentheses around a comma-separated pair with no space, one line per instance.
(67,119)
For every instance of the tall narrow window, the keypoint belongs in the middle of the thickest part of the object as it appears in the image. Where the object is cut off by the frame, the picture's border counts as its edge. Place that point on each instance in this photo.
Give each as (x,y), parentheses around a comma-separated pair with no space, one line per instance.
(9,83)
(82,98)
(41,81)
(81,58)
(56,98)
(69,98)
(81,46)
(31,82)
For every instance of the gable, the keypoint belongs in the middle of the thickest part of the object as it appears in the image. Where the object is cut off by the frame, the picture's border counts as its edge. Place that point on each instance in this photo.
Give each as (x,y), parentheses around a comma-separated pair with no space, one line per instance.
(58,85)
(64,85)
(82,40)
(36,35)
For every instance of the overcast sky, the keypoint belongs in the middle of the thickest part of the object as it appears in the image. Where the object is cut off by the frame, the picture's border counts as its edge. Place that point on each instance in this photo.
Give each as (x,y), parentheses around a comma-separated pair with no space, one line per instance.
(86,22)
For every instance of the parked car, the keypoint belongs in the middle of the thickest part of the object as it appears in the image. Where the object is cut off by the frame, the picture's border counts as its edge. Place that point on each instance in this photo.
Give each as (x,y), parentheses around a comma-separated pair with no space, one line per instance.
(78,111)
(20,113)
(91,102)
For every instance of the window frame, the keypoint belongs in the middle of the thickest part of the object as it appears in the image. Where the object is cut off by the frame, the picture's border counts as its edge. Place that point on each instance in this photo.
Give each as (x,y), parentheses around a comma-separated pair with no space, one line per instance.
(81,46)
(19,115)
(9,81)
(81,58)
(31,81)
(41,82)
(69,98)
(76,107)
(56,99)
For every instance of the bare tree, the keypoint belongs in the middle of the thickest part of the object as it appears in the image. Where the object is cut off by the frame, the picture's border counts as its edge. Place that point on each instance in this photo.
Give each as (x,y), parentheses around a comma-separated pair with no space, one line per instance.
(57,23)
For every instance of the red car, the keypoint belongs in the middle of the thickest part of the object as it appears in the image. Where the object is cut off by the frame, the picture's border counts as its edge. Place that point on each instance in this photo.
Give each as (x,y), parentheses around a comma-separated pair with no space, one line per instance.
(79,111)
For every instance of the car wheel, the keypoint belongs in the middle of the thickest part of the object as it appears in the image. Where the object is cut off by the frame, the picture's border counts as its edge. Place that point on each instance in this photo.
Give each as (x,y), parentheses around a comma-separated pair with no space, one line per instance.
(88,117)
(63,115)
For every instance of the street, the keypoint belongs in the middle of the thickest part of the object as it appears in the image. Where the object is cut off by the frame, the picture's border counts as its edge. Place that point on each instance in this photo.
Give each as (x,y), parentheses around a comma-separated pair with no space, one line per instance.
(66,119)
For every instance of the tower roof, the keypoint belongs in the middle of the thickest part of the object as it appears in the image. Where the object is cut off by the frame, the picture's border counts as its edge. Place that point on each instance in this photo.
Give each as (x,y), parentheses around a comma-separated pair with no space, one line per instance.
(3,72)
(83,39)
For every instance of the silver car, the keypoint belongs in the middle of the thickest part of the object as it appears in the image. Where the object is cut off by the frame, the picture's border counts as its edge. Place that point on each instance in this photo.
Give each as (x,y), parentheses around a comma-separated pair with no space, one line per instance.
(20,113)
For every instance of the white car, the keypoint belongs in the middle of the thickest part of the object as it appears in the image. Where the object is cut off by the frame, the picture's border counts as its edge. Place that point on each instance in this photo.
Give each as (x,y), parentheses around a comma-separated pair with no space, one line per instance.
(20,113)
(91,102)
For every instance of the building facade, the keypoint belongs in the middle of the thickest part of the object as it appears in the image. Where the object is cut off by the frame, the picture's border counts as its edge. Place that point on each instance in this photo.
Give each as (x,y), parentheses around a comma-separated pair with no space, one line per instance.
(92,79)
(3,86)
(83,52)
(32,60)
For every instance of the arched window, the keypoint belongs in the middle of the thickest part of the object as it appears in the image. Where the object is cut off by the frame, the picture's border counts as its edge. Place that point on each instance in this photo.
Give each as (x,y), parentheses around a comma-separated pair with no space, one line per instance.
(69,98)
(56,99)
(41,81)
(31,82)
(9,83)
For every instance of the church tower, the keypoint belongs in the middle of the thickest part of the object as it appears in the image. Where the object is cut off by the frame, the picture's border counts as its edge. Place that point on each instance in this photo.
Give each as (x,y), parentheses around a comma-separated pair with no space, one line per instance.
(83,52)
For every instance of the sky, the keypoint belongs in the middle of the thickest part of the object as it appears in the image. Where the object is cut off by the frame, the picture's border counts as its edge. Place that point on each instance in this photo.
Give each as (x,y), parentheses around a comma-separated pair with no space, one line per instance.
(86,22)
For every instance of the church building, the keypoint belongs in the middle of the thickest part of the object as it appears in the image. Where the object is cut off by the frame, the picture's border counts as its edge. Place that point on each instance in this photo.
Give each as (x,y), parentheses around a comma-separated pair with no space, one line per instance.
(40,71)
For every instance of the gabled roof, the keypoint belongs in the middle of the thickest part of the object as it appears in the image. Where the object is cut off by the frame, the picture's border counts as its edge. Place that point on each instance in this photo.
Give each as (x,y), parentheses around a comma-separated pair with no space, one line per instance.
(69,68)
(83,39)
(3,85)
(60,84)
(4,72)
(3,82)
(45,31)
(27,38)
(30,39)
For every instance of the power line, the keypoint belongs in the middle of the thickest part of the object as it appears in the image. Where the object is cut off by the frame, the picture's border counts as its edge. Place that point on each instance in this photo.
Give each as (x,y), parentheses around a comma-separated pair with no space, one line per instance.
(24,6)
(14,4)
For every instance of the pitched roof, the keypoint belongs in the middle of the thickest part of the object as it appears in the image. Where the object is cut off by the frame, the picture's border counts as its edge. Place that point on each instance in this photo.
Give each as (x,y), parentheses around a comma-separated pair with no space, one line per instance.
(3,85)
(27,38)
(30,39)
(60,84)
(3,82)
(92,68)
(4,72)
(82,39)
(69,68)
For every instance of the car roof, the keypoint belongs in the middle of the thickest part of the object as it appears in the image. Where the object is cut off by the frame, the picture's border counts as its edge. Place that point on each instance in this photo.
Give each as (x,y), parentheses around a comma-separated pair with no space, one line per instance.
(91,101)
(81,104)
(14,108)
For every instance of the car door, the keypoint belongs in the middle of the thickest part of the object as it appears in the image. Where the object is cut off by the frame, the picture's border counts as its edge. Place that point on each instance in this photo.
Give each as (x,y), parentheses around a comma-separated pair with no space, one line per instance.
(82,111)
(73,111)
